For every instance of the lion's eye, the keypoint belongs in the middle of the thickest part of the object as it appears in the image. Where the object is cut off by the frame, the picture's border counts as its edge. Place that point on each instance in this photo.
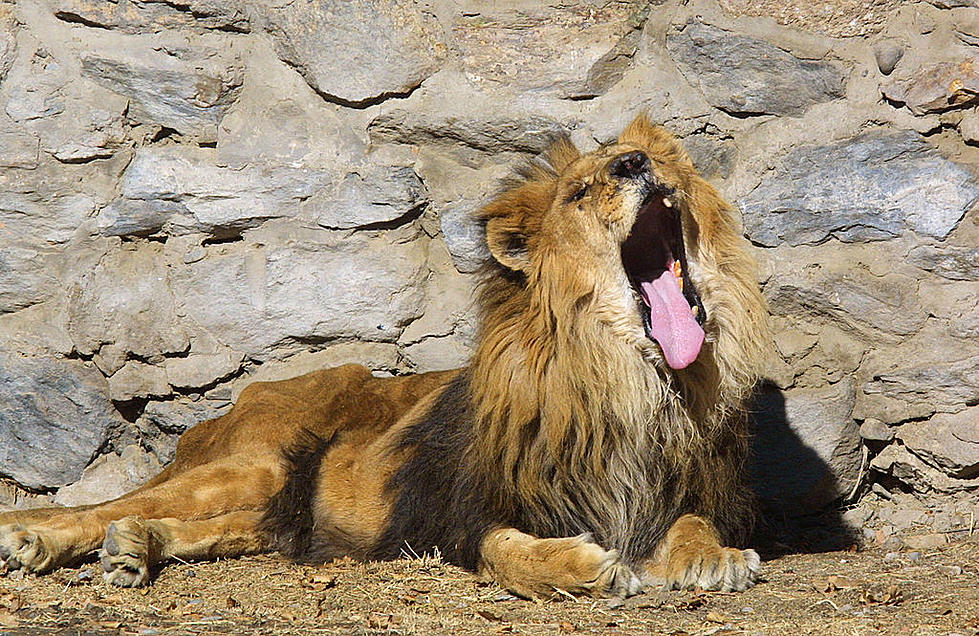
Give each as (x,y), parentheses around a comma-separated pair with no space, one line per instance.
(578,194)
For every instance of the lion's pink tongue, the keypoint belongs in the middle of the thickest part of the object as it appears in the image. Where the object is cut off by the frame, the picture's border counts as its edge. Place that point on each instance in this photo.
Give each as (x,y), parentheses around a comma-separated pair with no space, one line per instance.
(673,324)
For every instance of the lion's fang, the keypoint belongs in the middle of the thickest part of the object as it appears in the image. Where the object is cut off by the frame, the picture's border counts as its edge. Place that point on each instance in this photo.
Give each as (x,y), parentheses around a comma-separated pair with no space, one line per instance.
(667,202)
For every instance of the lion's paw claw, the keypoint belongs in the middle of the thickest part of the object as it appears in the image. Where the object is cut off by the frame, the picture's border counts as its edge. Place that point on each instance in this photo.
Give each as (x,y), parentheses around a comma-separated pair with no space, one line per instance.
(124,554)
(23,549)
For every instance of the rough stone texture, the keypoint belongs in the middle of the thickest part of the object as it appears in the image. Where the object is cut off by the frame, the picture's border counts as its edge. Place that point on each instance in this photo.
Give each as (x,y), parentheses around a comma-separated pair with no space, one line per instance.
(54,417)
(184,88)
(950,443)
(746,76)
(807,447)
(326,43)
(200,194)
(937,88)
(872,187)
(110,476)
(189,192)
(551,47)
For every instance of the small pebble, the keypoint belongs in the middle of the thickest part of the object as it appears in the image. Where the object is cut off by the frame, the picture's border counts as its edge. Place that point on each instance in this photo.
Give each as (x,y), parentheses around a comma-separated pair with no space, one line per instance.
(747,610)
(149,632)
(914,556)
(892,556)
(950,570)
(888,54)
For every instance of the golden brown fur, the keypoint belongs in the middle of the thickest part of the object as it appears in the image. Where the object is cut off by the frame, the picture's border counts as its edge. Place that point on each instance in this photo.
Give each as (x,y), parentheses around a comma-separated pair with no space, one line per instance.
(568,456)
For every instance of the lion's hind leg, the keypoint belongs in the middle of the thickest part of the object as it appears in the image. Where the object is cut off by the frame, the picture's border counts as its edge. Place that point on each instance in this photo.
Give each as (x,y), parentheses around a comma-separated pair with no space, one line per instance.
(235,483)
(134,545)
(691,555)
(542,568)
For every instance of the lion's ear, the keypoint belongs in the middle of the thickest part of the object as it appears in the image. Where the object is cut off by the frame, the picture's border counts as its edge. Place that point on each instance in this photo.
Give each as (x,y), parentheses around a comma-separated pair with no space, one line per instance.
(508,243)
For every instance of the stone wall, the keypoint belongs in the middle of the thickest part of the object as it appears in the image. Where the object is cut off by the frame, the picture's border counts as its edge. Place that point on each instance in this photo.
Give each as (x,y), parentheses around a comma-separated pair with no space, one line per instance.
(196,195)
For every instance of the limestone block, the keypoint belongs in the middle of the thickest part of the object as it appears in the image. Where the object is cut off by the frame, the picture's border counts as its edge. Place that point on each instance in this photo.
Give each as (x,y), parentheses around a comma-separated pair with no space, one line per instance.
(110,476)
(746,76)
(871,187)
(54,417)
(327,43)
(806,445)
(168,83)
(125,301)
(254,297)
(948,442)
(936,88)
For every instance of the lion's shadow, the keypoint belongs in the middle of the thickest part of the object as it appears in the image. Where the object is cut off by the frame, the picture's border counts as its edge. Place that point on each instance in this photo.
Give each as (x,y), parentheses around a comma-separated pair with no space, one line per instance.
(800,511)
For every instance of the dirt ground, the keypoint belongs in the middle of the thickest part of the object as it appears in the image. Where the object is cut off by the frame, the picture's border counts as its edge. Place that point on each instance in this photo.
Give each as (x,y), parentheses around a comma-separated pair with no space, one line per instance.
(873,591)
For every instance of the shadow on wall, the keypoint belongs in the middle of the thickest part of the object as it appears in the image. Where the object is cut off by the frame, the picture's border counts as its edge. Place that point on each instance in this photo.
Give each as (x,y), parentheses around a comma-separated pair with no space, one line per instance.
(798,491)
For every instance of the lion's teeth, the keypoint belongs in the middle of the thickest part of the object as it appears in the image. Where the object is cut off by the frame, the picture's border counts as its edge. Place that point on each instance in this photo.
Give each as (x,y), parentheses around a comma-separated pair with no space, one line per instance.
(667,202)
(695,309)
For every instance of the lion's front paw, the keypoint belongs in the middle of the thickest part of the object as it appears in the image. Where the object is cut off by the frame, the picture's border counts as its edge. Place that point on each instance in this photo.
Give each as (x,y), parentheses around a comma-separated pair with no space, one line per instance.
(711,567)
(24,549)
(543,568)
(125,553)
(596,571)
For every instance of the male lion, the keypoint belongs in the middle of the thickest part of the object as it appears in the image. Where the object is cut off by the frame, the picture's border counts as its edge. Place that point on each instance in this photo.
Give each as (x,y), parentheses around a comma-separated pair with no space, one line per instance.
(595,445)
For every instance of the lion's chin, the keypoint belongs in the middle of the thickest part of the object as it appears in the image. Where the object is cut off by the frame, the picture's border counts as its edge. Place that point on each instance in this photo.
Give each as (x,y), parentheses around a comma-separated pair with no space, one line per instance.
(655,263)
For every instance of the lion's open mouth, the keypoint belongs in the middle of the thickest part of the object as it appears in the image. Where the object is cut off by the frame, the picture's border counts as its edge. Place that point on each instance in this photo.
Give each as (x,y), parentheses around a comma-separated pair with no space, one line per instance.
(655,262)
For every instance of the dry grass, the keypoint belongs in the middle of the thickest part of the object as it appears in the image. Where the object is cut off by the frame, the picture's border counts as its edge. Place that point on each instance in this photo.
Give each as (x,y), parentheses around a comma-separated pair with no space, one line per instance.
(864,592)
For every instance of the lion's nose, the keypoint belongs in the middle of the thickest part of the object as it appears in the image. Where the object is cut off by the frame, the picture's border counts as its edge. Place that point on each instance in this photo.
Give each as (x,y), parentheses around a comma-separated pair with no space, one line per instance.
(629,165)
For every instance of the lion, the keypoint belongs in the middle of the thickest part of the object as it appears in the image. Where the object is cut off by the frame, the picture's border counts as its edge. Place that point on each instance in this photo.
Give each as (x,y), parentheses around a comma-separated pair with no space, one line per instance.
(595,445)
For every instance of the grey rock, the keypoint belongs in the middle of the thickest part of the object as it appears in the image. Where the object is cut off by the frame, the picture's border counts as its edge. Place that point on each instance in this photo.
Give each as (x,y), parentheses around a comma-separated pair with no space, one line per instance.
(35,90)
(852,297)
(969,126)
(371,196)
(948,442)
(888,54)
(714,158)
(502,132)
(180,87)
(138,380)
(948,261)
(872,187)
(326,45)
(745,76)
(937,88)
(314,288)
(18,149)
(135,16)
(92,125)
(945,378)
(450,110)
(207,363)
(465,236)
(136,217)
(162,422)
(39,207)
(951,4)
(182,189)
(24,279)
(439,353)
(110,476)
(54,417)
(125,301)
(563,49)
(877,431)
(8,42)
(806,446)
(176,416)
